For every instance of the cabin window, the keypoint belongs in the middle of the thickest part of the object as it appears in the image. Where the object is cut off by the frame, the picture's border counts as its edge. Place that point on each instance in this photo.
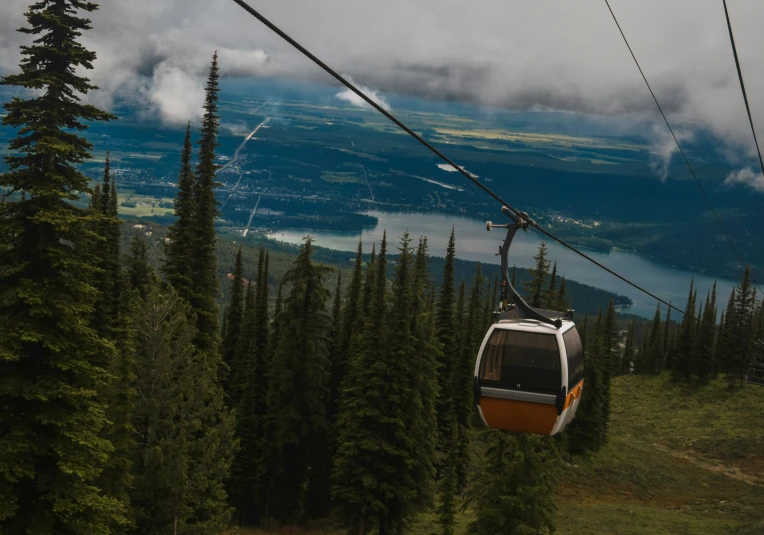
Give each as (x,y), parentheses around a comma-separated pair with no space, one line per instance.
(575,357)
(522,361)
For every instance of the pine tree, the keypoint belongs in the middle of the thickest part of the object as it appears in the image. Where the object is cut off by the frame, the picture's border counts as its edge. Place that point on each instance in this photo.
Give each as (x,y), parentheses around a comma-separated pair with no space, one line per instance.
(683,358)
(655,345)
(117,478)
(296,419)
(185,437)
(586,431)
(605,332)
(550,299)
(337,366)
(447,336)
(205,281)
(107,252)
(515,490)
(563,303)
(51,449)
(667,339)
(140,274)
(705,342)
(179,264)
(238,367)
(449,483)
(364,476)
(537,285)
(234,314)
(352,313)
(741,346)
(463,370)
(629,353)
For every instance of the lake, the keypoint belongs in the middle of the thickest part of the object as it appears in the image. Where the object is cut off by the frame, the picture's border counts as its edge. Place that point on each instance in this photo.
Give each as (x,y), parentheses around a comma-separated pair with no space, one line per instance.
(473,242)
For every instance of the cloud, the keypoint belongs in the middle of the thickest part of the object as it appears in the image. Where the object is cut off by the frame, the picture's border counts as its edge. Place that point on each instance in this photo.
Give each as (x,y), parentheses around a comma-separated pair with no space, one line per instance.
(747,177)
(565,56)
(350,97)
(663,147)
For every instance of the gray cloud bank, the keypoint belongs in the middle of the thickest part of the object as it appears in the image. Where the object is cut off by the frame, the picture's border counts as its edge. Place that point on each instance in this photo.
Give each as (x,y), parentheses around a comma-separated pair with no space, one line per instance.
(507,53)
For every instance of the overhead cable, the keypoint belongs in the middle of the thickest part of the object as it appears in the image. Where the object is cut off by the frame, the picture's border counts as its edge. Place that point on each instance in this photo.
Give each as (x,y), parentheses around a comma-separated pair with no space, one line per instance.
(249,9)
(678,145)
(742,85)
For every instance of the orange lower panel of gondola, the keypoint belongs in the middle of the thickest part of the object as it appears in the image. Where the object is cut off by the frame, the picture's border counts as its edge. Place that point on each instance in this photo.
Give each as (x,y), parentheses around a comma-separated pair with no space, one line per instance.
(520,416)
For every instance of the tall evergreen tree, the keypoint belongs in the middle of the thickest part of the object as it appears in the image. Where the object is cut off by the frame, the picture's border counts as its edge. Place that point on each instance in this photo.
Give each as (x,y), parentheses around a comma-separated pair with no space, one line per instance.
(667,330)
(537,285)
(50,445)
(655,345)
(140,274)
(235,313)
(298,429)
(563,303)
(353,309)
(585,432)
(515,493)
(447,336)
(179,263)
(205,280)
(629,352)
(683,358)
(365,477)
(337,363)
(741,341)
(107,252)
(550,298)
(705,342)
(185,440)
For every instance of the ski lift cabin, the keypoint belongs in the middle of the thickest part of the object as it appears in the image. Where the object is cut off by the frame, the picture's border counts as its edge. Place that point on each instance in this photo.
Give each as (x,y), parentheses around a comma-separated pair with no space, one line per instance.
(529,373)
(529,376)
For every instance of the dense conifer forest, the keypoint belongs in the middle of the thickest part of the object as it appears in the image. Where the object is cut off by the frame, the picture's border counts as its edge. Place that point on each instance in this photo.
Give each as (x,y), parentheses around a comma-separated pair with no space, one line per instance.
(133,402)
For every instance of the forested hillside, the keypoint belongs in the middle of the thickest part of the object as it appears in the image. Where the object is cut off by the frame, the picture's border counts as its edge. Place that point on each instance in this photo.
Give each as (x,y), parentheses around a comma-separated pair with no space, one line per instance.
(174,383)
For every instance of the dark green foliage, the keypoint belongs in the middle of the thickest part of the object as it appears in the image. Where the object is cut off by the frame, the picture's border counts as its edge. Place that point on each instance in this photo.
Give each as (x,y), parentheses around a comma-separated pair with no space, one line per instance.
(740,352)
(654,358)
(629,351)
(51,449)
(185,435)
(178,263)
(296,419)
(449,483)
(386,430)
(586,431)
(448,338)
(234,314)
(550,297)
(537,286)
(337,366)
(563,303)
(682,367)
(140,274)
(607,359)
(205,277)
(706,339)
(106,250)
(514,492)
(117,478)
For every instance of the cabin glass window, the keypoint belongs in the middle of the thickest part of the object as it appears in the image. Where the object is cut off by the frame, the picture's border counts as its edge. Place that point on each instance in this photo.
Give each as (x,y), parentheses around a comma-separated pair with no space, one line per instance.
(522,361)
(575,357)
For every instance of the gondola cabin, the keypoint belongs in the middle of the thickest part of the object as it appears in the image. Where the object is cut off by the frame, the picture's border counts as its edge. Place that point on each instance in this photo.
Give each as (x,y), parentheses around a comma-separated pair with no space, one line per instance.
(529,376)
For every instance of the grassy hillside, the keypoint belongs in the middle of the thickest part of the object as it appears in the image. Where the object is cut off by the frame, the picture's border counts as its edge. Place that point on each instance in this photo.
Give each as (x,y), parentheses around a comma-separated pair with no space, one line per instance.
(680,461)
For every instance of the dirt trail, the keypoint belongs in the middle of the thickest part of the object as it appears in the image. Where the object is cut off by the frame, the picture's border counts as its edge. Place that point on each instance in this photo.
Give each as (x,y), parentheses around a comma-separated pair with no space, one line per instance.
(711,465)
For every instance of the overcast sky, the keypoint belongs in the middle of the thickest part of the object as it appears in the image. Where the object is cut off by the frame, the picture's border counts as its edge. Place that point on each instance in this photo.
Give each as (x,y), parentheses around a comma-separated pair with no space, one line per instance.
(510,53)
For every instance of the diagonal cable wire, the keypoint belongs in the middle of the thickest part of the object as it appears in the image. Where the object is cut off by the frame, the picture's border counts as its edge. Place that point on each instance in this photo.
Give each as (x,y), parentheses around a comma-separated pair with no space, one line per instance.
(678,145)
(742,85)
(442,156)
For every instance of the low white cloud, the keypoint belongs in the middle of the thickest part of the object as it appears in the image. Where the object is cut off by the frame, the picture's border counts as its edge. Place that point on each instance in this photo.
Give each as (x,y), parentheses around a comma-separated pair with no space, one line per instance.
(663,148)
(747,177)
(348,96)
(176,96)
